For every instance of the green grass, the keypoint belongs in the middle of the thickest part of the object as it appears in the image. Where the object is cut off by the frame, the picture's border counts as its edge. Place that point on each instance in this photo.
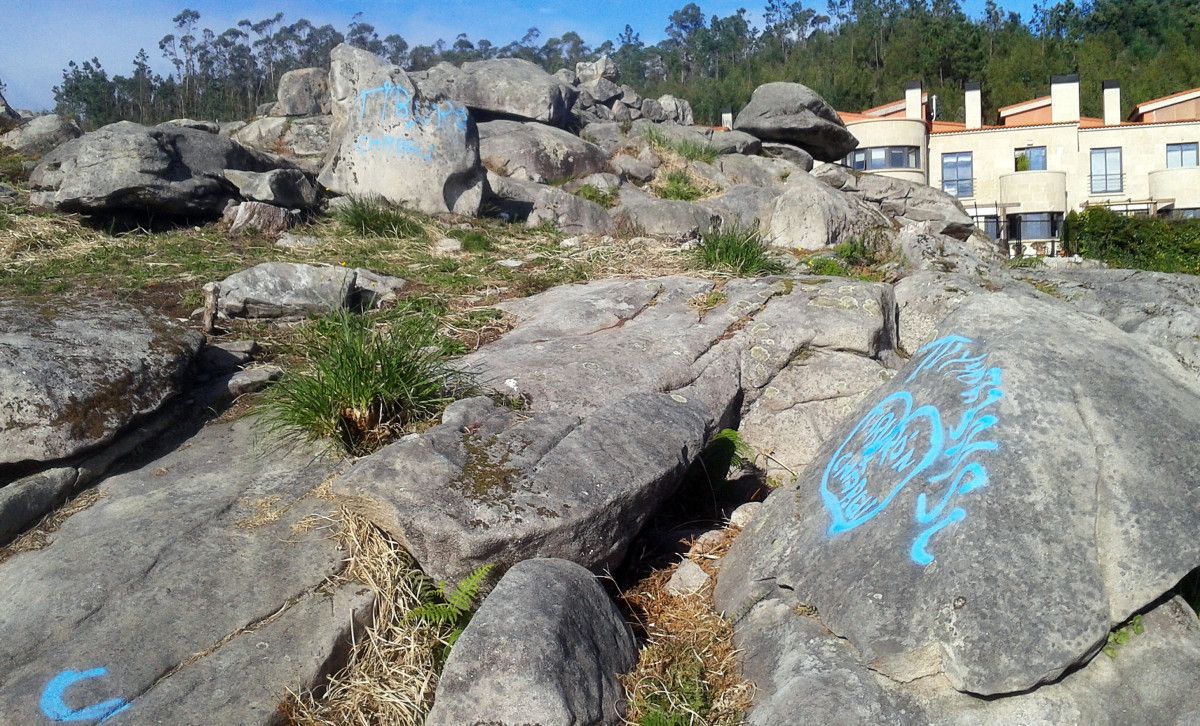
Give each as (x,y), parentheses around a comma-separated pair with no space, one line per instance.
(1025,262)
(605,198)
(365,380)
(377,218)
(474,240)
(12,170)
(677,185)
(738,251)
(690,150)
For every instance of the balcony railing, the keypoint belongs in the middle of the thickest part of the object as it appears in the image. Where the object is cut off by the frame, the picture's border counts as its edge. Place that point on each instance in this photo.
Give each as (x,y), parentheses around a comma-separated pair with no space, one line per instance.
(1107,183)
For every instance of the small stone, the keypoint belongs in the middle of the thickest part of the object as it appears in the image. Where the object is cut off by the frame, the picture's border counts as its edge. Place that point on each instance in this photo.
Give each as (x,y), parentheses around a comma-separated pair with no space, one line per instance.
(570,243)
(511,264)
(744,514)
(707,541)
(689,579)
(253,380)
(447,246)
(290,241)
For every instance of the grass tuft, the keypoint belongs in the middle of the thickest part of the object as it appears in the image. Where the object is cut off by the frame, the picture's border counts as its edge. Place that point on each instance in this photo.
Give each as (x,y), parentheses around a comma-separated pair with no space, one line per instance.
(677,185)
(474,240)
(363,384)
(606,199)
(828,267)
(373,217)
(741,252)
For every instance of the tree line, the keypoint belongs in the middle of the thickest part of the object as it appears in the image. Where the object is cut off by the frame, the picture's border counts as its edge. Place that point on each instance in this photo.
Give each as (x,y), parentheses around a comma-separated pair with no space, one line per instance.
(855,53)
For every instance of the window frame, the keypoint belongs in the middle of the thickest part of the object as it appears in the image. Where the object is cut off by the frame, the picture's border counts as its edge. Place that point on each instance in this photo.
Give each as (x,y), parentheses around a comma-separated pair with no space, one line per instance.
(1024,152)
(863,159)
(959,181)
(1182,148)
(1108,175)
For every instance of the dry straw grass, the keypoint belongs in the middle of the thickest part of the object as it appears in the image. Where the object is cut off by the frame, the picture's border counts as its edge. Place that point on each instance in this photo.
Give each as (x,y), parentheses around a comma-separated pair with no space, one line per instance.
(393,668)
(39,536)
(687,671)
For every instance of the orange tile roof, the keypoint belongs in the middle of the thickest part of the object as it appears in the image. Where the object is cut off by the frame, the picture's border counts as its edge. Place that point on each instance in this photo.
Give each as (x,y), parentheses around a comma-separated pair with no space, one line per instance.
(1165,98)
(1039,99)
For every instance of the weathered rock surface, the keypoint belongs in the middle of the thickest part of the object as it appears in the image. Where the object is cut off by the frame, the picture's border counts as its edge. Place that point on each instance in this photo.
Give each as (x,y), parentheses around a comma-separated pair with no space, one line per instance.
(41,135)
(303,141)
(75,372)
(393,141)
(643,214)
(787,152)
(569,213)
(794,114)
(620,365)
(303,92)
(258,218)
(126,167)
(809,215)
(502,88)
(744,207)
(927,529)
(282,187)
(537,152)
(901,200)
(602,67)
(290,290)
(187,593)
(547,647)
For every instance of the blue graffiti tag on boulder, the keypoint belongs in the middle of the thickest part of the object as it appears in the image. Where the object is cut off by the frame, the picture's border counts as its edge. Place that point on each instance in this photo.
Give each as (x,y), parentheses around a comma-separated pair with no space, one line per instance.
(395,106)
(899,442)
(54,706)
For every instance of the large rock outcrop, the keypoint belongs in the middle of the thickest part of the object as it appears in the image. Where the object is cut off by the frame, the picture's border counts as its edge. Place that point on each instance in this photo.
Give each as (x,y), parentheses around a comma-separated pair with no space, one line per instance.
(127,167)
(74,373)
(794,114)
(303,141)
(990,480)
(393,141)
(629,366)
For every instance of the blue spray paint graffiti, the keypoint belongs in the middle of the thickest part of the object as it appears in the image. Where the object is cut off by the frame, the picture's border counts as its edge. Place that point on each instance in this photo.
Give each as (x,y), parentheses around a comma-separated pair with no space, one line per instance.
(896,444)
(55,708)
(395,105)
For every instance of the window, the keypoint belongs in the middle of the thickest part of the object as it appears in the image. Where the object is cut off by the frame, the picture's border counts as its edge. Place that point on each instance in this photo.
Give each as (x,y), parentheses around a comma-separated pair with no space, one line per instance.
(1184,214)
(958,174)
(884,157)
(1032,158)
(1182,156)
(989,223)
(1034,225)
(1106,171)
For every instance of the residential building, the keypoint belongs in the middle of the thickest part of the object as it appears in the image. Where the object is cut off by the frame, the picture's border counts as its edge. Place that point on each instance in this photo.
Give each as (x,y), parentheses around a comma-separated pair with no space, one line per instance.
(1019,178)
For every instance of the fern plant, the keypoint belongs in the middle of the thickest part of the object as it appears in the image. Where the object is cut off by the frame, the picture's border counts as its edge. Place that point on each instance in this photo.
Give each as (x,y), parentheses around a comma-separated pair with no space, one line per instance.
(451,607)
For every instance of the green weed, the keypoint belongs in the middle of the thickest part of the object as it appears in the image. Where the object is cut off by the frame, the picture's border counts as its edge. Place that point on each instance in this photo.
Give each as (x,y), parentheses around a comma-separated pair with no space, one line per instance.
(738,251)
(690,150)
(677,185)
(375,217)
(605,198)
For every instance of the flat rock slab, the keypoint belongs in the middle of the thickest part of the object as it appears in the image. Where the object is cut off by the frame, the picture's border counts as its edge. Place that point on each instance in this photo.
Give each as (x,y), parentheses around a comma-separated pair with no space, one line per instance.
(621,382)
(75,372)
(1030,461)
(547,647)
(187,593)
(291,290)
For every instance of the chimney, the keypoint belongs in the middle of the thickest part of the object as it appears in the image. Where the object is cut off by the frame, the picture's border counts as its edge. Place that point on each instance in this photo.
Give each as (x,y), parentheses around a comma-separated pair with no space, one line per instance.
(974,105)
(912,101)
(1064,99)
(1112,103)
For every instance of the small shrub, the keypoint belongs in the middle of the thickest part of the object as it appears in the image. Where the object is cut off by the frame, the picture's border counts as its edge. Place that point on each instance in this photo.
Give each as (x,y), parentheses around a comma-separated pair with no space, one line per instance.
(374,217)
(363,384)
(741,252)
(828,267)
(677,185)
(606,199)
(12,166)
(856,253)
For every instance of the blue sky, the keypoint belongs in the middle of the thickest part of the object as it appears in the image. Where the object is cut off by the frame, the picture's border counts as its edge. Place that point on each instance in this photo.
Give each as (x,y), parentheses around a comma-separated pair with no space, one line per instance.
(42,35)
